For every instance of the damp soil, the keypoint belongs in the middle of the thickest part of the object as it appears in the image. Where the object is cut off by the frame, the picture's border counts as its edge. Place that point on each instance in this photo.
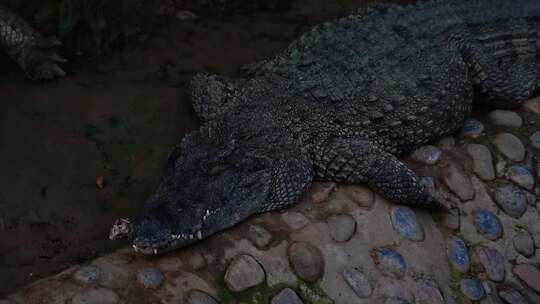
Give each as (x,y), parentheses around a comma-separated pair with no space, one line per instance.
(115,118)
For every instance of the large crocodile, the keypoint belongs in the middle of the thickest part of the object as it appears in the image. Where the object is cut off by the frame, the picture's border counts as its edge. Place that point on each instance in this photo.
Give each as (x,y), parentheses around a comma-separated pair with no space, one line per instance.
(339,104)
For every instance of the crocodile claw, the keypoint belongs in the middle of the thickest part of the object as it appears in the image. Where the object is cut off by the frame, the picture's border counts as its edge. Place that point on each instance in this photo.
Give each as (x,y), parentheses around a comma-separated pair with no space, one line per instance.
(40,60)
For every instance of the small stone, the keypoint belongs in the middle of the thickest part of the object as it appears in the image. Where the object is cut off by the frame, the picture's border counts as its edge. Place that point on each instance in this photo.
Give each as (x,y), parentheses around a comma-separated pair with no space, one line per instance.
(428,155)
(342,227)
(389,262)
(306,261)
(505,118)
(511,200)
(458,254)
(429,185)
(532,105)
(524,243)
(472,128)
(459,183)
(185,16)
(96,296)
(472,289)
(361,195)
(396,300)
(244,272)
(150,277)
(358,282)
(510,146)
(487,224)
(500,167)
(535,140)
(320,192)
(87,274)
(427,292)
(287,296)
(200,297)
(482,161)
(529,274)
(493,263)
(196,261)
(295,220)
(405,223)
(520,175)
(259,236)
(511,296)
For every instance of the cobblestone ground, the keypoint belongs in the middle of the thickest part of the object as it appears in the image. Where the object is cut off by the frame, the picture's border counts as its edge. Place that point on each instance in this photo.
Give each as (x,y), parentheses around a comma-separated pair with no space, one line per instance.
(346,244)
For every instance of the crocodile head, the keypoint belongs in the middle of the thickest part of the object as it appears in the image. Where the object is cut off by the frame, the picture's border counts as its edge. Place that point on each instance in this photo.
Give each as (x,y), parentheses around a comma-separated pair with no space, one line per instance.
(212,181)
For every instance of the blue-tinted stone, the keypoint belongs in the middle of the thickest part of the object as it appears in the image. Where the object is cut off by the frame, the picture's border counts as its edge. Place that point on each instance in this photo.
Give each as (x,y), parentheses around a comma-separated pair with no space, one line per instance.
(472,289)
(512,296)
(458,254)
(428,155)
(472,128)
(150,277)
(487,224)
(535,140)
(492,261)
(520,175)
(405,223)
(389,262)
(511,199)
(429,184)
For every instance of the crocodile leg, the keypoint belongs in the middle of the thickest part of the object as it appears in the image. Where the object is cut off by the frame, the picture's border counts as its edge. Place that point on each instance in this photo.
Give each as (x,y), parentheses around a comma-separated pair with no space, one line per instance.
(357,161)
(35,54)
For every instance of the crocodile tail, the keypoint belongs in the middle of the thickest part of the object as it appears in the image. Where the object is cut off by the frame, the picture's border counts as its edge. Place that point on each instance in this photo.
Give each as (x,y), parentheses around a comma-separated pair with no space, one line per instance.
(211,94)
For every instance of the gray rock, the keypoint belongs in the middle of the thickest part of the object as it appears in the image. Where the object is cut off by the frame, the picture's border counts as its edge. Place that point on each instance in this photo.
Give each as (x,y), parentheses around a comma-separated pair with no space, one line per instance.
(458,254)
(306,260)
(487,224)
(389,262)
(150,277)
(458,182)
(472,289)
(87,274)
(200,297)
(511,296)
(358,282)
(428,155)
(520,175)
(482,161)
(244,272)
(427,292)
(429,185)
(529,274)
(472,128)
(510,146)
(524,243)
(295,220)
(259,236)
(342,227)
(196,261)
(361,195)
(505,118)
(492,261)
(500,167)
(511,199)
(405,223)
(96,296)
(287,296)
(535,140)
(185,16)
(532,105)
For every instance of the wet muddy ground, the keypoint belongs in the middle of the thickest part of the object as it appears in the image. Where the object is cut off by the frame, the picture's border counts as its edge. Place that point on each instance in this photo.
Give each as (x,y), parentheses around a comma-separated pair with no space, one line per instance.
(117,118)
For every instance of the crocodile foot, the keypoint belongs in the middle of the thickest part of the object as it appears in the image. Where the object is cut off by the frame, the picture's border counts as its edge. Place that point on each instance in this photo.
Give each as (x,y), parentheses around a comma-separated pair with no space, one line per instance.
(39,59)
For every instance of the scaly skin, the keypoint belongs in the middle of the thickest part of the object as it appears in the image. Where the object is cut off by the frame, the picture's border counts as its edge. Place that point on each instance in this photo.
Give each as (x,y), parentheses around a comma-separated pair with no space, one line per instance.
(35,54)
(340,104)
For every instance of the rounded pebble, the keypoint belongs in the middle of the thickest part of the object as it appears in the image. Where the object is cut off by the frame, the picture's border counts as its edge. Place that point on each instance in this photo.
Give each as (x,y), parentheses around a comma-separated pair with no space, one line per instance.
(87,274)
(427,292)
(510,146)
(511,199)
(458,182)
(286,296)
(389,262)
(487,224)
(529,274)
(358,282)
(428,155)
(535,139)
(524,243)
(150,277)
(472,128)
(306,261)
(320,192)
(532,105)
(458,254)
(295,220)
(361,195)
(196,261)
(482,161)
(472,289)
(96,296)
(493,263)
(259,236)
(185,15)
(244,272)
(200,297)
(429,185)
(405,223)
(511,296)
(520,175)
(342,227)
(505,118)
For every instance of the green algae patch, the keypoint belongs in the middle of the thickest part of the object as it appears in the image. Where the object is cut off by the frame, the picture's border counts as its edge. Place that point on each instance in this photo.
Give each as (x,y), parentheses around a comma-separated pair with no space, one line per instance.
(312,293)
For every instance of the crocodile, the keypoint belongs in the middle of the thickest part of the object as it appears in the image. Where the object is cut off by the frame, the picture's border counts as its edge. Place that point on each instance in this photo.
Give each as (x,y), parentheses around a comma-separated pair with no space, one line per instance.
(340,104)
(35,54)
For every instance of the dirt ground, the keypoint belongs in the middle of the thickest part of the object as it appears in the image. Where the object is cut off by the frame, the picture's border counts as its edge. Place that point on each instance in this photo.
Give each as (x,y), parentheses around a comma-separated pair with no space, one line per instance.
(117,118)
